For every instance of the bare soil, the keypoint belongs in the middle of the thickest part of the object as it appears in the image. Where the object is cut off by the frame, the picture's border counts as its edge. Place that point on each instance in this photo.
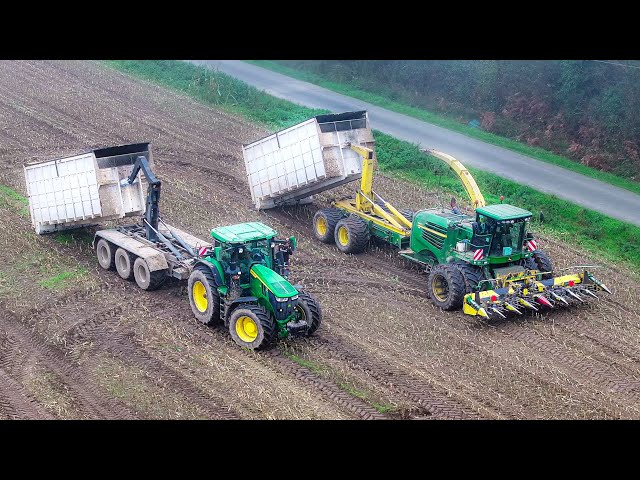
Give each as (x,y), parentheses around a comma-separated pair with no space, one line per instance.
(95,346)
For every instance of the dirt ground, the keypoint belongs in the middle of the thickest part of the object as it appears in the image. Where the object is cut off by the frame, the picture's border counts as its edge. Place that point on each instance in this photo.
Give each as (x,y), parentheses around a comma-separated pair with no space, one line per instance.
(79,342)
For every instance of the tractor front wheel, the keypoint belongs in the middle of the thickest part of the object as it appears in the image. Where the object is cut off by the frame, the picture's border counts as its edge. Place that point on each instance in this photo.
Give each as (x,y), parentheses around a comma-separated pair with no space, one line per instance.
(539,261)
(543,262)
(203,296)
(352,235)
(308,309)
(471,274)
(324,224)
(446,286)
(251,327)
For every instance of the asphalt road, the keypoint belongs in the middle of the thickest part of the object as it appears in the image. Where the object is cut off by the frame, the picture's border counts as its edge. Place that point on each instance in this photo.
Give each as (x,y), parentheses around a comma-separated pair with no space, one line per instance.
(577,188)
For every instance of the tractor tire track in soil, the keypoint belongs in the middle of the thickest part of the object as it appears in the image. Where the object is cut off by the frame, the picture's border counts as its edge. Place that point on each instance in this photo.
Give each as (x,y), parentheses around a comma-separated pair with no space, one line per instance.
(593,372)
(327,389)
(436,404)
(130,353)
(82,384)
(16,403)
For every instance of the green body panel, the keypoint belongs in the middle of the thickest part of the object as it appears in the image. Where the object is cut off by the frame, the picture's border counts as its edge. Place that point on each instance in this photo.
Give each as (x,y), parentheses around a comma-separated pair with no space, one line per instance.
(502,211)
(243,232)
(265,281)
(278,285)
(257,289)
(435,233)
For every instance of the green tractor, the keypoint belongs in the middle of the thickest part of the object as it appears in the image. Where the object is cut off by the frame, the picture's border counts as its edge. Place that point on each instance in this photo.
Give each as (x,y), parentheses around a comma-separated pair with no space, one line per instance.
(241,281)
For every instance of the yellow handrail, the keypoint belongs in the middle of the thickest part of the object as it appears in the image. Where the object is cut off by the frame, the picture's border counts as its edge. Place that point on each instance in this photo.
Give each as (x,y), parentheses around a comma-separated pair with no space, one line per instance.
(470,185)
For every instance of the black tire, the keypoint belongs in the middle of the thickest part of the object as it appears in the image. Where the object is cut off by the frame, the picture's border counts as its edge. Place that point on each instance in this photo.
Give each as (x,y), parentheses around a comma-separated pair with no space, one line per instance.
(310,309)
(408,214)
(124,263)
(446,286)
(105,251)
(324,224)
(383,207)
(543,262)
(352,235)
(265,327)
(146,279)
(529,263)
(202,282)
(471,275)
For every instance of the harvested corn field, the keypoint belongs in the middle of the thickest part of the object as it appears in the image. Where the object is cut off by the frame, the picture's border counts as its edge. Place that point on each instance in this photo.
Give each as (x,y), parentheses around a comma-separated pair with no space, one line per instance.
(79,342)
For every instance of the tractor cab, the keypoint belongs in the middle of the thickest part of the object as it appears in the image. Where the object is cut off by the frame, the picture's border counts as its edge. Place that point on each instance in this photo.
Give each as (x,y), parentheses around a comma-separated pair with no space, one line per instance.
(240,247)
(499,231)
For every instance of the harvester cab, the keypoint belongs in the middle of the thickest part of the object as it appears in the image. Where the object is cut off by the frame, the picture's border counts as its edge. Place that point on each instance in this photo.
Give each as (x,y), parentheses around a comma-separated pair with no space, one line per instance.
(243,282)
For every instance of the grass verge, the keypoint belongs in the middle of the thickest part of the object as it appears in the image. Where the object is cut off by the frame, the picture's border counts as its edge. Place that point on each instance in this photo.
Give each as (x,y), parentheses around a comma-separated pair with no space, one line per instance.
(605,237)
(12,199)
(63,279)
(450,123)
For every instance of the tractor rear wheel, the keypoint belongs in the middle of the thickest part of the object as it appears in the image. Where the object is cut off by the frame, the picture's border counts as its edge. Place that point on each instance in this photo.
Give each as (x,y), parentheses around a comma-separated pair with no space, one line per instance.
(543,263)
(124,263)
(203,296)
(324,224)
(251,327)
(145,278)
(352,235)
(309,310)
(471,274)
(446,286)
(105,252)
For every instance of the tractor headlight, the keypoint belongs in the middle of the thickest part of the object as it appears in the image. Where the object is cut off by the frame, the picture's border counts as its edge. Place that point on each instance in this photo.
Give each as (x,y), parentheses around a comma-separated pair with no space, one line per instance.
(278,299)
(295,297)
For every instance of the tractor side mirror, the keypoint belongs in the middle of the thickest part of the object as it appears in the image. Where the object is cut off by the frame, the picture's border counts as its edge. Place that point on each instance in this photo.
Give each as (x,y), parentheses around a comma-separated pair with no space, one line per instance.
(294,243)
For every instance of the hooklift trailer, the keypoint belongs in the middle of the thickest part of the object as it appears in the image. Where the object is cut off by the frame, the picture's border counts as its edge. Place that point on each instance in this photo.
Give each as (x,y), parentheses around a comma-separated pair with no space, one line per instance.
(239,279)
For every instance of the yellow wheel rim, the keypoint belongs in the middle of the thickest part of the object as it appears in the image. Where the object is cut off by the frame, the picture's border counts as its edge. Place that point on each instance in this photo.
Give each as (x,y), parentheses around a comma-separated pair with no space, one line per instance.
(343,236)
(440,288)
(200,296)
(246,329)
(321,225)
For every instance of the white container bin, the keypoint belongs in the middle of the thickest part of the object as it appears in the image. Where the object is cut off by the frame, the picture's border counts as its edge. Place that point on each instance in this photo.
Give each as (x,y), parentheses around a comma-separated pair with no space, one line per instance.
(85,189)
(308,158)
